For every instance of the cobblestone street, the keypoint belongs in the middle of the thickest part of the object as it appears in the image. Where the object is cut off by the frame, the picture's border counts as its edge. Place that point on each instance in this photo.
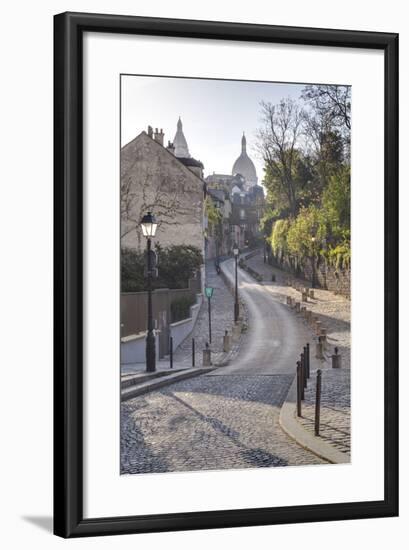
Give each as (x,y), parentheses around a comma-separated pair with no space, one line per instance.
(335,312)
(228,418)
(209,422)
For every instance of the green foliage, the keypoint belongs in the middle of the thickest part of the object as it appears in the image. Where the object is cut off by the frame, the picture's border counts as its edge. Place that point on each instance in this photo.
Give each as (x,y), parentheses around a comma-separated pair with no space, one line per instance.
(176,265)
(180,308)
(306,149)
(336,204)
(213,214)
(306,233)
(132,268)
(340,256)
(278,238)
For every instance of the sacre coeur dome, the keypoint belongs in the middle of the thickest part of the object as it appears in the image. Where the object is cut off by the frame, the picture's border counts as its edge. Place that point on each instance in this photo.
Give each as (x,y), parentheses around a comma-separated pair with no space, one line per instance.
(244,165)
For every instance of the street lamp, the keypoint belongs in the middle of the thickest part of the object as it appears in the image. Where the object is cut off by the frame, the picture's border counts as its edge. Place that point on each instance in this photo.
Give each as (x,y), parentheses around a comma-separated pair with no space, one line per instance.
(149,226)
(313,262)
(236,252)
(209,294)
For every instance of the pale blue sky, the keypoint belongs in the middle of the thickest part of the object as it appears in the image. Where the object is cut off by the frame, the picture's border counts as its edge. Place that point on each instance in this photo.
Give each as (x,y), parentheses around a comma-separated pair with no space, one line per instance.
(214,114)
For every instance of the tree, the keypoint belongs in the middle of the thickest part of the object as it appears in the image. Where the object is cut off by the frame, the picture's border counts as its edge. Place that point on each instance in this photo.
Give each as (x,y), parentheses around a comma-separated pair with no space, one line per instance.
(306,233)
(278,238)
(336,205)
(278,141)
(332,100)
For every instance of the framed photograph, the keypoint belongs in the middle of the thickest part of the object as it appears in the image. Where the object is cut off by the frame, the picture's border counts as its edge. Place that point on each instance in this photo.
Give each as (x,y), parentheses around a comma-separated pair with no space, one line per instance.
(226,274)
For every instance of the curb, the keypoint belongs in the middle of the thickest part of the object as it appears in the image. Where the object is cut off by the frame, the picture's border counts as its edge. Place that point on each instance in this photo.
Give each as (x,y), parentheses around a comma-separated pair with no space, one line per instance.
(293,429)
(146,387)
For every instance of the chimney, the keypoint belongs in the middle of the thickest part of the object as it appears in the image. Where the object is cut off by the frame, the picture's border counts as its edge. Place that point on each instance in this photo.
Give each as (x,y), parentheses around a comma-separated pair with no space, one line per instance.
(150,131)
(159,136)
(171,148)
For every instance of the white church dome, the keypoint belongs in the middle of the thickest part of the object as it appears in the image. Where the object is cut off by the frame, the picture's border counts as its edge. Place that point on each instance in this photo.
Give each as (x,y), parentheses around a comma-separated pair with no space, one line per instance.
(244,165)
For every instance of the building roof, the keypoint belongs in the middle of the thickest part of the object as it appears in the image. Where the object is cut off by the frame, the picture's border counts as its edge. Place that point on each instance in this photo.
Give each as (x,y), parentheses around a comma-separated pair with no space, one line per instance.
(190,161)
(244,165)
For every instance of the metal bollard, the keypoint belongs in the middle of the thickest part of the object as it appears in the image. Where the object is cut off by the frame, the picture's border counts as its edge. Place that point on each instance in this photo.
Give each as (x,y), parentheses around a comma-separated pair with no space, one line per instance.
(305,364)
(304,372)
(273,278)
(299,384)
(336,360)
(207,356)
(171,352)
(318,403)
(226,341)
(193,352)
(307,355)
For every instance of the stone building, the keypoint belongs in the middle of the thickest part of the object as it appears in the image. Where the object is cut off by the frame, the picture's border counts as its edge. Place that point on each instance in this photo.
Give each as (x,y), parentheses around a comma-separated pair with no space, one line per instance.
(167,181)
(245,197)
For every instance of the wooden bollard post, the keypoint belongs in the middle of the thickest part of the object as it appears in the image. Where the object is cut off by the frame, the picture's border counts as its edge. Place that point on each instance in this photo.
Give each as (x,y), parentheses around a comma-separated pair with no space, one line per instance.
(318,403)
(297,307)
(303,310)
(226,341)
(171,352)
(193,352)
(311,292)
(299,384)
(336,360)
(304,296)
(207,361)
(289,300)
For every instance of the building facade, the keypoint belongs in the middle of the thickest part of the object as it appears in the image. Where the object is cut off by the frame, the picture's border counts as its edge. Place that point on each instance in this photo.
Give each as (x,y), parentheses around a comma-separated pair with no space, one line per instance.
(245,199)
(154,178)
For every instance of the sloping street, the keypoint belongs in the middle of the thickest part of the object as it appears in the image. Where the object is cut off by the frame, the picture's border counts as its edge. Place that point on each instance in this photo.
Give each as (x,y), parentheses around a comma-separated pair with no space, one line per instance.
(229,417)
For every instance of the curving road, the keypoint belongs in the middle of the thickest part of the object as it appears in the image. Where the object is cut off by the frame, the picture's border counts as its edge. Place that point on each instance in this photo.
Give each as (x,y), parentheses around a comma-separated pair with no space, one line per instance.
(275,337)
(229,417)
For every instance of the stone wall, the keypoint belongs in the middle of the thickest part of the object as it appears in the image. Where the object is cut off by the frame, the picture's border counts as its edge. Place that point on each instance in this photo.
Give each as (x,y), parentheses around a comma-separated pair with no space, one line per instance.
(152,179)
(134,311)
(326,276)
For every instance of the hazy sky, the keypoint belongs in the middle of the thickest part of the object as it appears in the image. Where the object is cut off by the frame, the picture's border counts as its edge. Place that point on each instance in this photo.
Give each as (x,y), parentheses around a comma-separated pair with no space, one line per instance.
(214,114)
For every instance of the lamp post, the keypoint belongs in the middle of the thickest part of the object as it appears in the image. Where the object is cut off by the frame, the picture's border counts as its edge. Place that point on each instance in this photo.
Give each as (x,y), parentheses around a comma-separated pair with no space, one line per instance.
(236,252)
(149,226)
(313,263)
(209,294)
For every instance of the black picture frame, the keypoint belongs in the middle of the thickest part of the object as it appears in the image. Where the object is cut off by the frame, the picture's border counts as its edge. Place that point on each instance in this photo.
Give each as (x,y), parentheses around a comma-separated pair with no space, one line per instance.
(68,274)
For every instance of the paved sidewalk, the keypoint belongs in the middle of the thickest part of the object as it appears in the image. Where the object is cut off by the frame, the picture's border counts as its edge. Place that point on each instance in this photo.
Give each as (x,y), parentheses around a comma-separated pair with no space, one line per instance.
(334,313)
(222,315)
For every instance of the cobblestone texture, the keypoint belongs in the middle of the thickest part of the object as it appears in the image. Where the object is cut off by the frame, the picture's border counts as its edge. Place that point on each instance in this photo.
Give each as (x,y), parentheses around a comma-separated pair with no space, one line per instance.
(334,312)
(222,311)
(207,423)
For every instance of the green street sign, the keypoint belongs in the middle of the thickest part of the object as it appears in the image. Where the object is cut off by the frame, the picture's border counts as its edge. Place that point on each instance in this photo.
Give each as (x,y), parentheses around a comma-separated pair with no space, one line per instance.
(209,291)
